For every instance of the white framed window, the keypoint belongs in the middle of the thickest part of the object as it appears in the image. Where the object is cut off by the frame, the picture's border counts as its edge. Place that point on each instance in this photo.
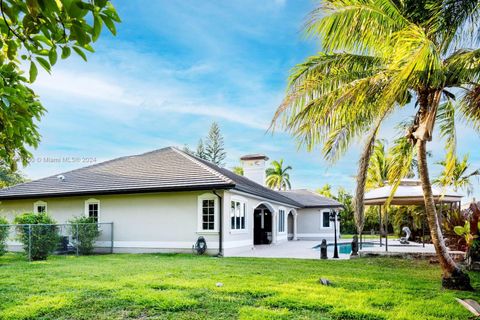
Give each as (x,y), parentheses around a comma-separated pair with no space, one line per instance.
(40,207)
(281,220)
(238,210)
(326,219)
(207,213)
(92,209)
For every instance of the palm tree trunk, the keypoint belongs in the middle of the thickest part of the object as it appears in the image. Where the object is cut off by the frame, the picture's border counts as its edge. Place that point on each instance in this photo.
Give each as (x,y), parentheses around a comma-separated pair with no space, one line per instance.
(363,163)
(453,276)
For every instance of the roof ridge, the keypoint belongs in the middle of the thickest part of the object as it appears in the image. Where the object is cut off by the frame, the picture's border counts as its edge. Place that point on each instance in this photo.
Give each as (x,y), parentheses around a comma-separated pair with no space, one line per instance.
(201,164)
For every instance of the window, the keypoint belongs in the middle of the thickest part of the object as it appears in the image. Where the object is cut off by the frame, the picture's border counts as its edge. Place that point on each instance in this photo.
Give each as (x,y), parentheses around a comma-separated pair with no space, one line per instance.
(326,219)
(208,214)
(237,215)
(281,220)
(40,207)
(92,209)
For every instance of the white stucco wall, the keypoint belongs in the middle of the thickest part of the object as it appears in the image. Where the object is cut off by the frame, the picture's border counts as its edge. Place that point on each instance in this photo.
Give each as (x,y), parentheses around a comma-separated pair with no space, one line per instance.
(142,222)
(157,222)
(310,225)
(239,239)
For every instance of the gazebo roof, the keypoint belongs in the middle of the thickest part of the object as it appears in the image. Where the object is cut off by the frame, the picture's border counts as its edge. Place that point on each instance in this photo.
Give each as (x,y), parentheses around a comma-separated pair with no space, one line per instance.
(409,192)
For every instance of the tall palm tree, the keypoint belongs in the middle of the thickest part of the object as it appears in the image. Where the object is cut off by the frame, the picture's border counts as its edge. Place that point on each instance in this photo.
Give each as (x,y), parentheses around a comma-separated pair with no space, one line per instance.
(277,176)
(378,55)
(459,179)
(378,168)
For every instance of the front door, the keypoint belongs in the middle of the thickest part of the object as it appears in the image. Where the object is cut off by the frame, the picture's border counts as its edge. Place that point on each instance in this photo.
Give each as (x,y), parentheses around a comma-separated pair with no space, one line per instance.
(262,226)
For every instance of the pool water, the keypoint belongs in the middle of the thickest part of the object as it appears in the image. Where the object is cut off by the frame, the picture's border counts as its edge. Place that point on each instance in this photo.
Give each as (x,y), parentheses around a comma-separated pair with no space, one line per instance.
(343,248)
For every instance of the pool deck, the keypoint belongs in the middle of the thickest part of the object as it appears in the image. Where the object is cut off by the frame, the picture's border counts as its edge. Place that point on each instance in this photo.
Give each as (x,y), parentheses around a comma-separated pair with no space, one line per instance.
(303,249)
(292,249)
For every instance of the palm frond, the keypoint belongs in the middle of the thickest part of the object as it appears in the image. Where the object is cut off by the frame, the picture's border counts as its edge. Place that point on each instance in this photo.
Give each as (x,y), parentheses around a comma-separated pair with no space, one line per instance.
(355,25)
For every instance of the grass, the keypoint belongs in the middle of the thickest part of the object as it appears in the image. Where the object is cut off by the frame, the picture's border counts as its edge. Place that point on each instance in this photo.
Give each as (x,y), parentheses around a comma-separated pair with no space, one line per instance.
(153,286)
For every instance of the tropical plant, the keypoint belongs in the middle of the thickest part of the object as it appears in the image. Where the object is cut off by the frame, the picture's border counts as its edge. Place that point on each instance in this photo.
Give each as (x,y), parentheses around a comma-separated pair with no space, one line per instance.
(378,55)
(464,231)
(457,176)
(38,233)
(214,149)
(238,170)
(326,191)
(347,221)
(277,176)
(35,33)
(451,219)
(379,166)
(4,231)
(84,231)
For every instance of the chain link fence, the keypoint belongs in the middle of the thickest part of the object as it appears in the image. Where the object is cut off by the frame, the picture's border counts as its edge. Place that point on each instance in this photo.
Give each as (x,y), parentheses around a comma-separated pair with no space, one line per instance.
(38,241)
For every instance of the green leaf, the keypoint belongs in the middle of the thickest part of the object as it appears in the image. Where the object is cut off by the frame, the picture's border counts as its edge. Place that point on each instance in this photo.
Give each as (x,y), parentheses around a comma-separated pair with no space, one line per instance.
(109,23)
(44,63)
(33,72)
(88,48)
(80,53)
(459,230)
(66,52)
(97,27)
(52,56)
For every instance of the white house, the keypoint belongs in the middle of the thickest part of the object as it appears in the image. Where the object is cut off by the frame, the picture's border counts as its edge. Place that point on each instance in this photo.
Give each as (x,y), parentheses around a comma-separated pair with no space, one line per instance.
(162,201)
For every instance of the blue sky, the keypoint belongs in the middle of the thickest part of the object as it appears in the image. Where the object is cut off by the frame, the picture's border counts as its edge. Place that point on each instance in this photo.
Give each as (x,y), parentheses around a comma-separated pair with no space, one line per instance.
(176,66)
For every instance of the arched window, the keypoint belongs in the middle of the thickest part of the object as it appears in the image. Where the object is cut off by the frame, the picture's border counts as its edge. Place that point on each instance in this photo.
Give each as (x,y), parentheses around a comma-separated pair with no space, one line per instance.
(207,213)
(92,209)
(40,207)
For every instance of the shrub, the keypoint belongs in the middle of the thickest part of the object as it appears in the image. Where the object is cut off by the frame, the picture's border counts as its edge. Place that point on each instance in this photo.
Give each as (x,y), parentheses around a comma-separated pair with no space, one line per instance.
(84,233)
(3,235)
(41,238)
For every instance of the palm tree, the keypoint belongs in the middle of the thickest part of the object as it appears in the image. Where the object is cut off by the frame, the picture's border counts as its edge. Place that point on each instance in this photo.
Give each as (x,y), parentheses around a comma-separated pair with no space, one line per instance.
(378,168)
(277,176)
(378,55)
(326,191)
(459,179)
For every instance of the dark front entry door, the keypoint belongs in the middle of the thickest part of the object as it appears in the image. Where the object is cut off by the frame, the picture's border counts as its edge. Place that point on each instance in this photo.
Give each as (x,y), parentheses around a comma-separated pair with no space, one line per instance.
(262,227)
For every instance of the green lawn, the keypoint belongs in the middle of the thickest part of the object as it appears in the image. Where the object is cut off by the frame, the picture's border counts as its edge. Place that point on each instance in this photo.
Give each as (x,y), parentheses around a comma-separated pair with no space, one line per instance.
(184,287)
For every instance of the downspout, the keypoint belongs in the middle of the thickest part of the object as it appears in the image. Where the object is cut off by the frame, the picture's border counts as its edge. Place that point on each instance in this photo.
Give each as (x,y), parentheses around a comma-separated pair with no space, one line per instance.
(220,229)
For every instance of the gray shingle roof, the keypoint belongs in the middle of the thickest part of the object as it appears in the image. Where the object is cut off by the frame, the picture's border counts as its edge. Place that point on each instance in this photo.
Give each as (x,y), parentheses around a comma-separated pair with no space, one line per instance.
(167,169)
(310,199)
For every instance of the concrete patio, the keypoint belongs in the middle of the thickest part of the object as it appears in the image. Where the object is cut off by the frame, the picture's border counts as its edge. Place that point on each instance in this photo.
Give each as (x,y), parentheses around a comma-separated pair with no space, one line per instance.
(303,249)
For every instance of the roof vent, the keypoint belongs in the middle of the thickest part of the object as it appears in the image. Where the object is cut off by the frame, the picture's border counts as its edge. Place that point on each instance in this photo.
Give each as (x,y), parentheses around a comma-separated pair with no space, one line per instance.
(61,177)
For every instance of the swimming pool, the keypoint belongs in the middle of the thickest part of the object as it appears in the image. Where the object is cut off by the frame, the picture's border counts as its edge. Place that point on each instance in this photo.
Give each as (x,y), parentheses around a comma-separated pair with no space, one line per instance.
(343,247)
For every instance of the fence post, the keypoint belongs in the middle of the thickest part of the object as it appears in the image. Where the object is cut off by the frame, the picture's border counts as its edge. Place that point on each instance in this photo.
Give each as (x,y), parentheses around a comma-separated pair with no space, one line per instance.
(111,237)
(77,236)
(30,242)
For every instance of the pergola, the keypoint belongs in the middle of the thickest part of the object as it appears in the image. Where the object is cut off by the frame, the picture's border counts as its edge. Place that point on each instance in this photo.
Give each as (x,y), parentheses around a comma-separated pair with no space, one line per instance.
(409,192)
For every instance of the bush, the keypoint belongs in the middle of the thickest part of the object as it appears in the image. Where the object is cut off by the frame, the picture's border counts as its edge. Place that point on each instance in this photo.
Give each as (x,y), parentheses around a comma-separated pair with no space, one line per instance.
(3,235)
(84,231)
(41,238)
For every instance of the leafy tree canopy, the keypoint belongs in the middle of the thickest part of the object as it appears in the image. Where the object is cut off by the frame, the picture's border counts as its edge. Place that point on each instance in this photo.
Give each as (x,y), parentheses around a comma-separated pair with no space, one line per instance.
(8,177)
(36,33)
